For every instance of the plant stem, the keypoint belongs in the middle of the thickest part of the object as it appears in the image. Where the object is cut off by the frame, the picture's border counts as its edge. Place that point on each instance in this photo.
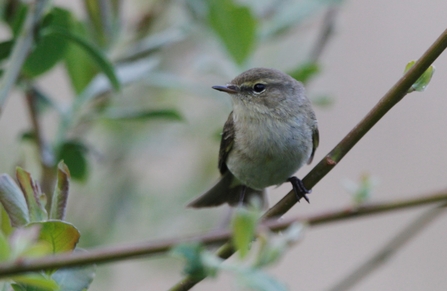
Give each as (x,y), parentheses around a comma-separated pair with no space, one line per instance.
(45,155)
(21,49)
(391,98)
(119,253)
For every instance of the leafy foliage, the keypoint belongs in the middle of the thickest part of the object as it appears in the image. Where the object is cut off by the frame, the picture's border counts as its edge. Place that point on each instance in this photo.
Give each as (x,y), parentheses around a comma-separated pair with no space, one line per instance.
(36,236)
(50,49)
(235,26)
(73,153)
(243,225)
(200,262)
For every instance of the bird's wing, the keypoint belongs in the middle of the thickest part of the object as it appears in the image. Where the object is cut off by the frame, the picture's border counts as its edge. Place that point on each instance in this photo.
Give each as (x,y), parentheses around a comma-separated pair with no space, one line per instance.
(226,143)
(315,142)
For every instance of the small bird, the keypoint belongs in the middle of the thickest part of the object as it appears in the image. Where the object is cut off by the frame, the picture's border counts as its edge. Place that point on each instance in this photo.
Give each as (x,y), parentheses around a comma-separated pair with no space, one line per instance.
(270,134)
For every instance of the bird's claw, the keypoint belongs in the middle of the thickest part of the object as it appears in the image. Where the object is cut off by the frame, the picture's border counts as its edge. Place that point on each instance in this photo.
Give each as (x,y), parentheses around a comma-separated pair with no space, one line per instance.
(299,189)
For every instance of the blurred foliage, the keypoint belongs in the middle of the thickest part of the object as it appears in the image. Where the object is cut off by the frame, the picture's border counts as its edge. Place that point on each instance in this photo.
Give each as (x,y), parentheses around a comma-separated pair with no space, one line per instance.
(248,272)
(139,102)
(362,190)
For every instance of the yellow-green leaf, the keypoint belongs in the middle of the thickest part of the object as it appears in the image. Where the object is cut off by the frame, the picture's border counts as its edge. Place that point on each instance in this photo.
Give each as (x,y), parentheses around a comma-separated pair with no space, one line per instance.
(37,281)
(62,236)
(421,84)
(243,226)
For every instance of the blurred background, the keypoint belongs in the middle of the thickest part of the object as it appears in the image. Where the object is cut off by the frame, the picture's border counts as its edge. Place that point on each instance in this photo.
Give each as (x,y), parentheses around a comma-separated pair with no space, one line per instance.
(140,172)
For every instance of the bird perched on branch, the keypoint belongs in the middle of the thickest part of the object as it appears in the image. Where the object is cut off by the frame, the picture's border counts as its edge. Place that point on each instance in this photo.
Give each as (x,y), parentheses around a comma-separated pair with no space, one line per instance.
(270,134)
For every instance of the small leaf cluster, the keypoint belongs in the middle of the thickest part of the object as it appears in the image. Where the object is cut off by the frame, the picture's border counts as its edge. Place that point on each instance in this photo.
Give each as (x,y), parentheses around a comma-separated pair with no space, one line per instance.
(362,190)
(248,270)
(29,231)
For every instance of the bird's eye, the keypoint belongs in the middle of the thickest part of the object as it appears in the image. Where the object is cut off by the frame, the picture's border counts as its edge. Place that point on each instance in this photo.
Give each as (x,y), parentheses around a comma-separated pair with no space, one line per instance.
(258,88)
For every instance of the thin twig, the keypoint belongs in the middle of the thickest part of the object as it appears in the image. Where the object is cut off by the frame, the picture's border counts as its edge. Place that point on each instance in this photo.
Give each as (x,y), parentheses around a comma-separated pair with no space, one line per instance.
(47,159)
(119,253)
(325,33)
(389,249)
(391,98)
(21,49)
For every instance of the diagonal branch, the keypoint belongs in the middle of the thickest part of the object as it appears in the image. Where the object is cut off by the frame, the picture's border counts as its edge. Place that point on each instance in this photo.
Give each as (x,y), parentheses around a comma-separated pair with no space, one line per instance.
(389,249)
(391,98)
(119,253)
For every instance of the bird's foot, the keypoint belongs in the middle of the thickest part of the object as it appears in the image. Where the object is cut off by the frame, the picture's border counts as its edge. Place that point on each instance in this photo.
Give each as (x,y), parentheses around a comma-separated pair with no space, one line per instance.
(299,189)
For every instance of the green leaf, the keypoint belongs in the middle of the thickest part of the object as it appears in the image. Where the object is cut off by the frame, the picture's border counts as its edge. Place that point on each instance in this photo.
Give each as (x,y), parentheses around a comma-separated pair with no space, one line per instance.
(13,201)
(236,27)
(74,279)
(61,235)
(305,72)
(80,66)
(421,84)
(96,54)
(5,49)
(168,114)
(73,154)
(35,282)
(49,49)
(35,199)
(60,195)
(243,226)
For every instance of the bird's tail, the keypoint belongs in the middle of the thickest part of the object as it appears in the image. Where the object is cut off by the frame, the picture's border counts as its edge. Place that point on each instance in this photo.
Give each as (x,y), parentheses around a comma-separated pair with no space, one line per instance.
(227,190)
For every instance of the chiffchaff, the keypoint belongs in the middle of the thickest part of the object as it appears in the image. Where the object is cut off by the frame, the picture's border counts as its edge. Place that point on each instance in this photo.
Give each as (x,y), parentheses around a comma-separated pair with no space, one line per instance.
(270,134)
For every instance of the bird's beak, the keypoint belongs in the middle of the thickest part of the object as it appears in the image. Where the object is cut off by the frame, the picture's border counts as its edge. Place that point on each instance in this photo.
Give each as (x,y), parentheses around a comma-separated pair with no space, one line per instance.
(230,89)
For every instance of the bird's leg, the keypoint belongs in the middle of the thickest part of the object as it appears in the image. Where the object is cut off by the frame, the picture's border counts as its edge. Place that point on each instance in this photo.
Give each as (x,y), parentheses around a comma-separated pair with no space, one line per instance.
(299,189)
(242,195)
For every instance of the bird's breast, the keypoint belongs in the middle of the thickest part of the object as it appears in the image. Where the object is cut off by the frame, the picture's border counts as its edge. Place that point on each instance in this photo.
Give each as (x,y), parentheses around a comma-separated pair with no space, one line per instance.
(268,151)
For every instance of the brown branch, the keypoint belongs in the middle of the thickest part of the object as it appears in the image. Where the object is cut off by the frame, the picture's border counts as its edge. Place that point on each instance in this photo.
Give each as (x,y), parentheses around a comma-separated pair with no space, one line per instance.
(325,33)
(391,98)
(389,249)
(119,253)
